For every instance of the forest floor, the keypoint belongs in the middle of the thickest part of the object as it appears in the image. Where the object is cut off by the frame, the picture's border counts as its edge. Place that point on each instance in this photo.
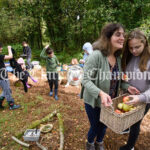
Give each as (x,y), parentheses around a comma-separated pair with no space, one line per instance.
(37,103)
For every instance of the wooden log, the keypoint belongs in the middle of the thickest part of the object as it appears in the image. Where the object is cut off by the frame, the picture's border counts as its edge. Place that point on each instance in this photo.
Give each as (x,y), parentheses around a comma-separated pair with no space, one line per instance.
(61,131)
(20,142)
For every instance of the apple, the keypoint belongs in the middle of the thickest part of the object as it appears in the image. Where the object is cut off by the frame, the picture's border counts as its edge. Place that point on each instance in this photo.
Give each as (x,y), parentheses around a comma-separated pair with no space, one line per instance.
(75,79)
(126,107)
(125,99)
(125,77)
(118,111)
(120,106)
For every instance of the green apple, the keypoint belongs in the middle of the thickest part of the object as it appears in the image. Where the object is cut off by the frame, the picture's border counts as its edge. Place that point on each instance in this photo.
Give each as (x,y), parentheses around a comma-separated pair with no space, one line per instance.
(126,107)
(120,106)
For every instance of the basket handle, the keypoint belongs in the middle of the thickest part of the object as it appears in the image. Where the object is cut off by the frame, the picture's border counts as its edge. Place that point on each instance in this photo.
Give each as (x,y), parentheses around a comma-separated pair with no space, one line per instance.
(111,106)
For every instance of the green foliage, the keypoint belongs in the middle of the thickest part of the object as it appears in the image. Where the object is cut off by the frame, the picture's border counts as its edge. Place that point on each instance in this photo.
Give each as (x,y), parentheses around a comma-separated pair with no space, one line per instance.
(67,24)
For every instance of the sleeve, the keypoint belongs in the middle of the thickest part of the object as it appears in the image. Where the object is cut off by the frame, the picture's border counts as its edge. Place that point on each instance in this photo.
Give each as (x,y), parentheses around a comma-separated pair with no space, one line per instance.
(43,55)
(124,85)
(57,62)
(145,96)
(90,69)
(28,51)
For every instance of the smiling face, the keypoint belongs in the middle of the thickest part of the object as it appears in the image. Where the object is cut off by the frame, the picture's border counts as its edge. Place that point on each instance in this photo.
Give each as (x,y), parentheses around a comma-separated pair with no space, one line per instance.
(117,40)
(136,47)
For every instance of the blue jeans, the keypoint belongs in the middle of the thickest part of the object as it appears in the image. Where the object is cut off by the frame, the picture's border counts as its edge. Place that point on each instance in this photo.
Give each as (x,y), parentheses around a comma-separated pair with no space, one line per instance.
(97,129)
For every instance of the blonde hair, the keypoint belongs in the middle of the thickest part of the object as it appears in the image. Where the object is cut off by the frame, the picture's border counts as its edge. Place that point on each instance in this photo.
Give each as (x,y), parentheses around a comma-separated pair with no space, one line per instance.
(145,55)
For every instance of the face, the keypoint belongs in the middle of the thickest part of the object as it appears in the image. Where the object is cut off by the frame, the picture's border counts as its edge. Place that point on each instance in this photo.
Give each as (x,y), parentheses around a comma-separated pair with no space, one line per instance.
(51,55)
(136,47)
(117,39)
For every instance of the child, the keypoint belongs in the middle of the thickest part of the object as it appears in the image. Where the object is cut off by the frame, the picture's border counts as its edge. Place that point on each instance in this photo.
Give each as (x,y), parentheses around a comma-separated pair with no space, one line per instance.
(136,60)
(51,67)
(27,53)
(4,82)
(88,49)
(26,73)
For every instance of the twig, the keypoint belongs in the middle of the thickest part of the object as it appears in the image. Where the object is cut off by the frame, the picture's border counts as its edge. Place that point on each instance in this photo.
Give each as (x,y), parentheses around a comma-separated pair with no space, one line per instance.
(61,131)
(20,142)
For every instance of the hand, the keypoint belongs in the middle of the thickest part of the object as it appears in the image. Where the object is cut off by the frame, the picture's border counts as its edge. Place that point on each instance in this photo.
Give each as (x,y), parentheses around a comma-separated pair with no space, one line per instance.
(132,90)
(9,47)
(135,100)
(46,46)
(81,61)
(105,98)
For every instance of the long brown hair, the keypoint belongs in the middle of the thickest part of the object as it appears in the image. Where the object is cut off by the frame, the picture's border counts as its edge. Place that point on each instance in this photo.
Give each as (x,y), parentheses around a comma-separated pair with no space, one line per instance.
(103,43)
(145,55)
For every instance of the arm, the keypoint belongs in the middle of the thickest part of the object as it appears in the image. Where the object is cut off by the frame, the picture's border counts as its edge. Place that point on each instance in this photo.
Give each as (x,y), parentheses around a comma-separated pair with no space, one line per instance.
(10,55)
(28,51)
(57,62)
(43,55)
(90,71)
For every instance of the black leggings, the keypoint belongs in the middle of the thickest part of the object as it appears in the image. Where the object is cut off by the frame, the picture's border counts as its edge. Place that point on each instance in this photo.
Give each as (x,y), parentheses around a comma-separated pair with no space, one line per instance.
(52,79)
(135,130)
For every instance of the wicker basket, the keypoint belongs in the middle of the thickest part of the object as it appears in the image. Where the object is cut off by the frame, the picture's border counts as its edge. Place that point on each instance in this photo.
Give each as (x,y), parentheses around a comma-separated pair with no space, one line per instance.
(120,122)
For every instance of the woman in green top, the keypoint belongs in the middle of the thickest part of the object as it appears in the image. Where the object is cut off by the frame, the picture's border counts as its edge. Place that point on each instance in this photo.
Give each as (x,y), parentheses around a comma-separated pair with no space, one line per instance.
(51,67)
(102,80)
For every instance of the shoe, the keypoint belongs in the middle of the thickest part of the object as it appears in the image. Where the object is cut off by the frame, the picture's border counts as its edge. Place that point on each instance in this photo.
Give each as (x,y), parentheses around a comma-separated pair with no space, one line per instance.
(126,147)
(33,79)
(90,146)
(56,97)
(56,93)
(14,107)
(125,131)
(99,146)
(28,86)
(51,93)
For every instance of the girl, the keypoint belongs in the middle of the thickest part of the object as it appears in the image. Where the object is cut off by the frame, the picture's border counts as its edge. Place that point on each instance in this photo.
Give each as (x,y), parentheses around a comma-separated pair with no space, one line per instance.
(97,89)
(136,59)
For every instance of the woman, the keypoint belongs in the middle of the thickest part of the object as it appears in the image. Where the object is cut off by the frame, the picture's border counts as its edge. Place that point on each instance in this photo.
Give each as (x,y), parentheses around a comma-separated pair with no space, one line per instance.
(101,80)
(88,49)
(136,60)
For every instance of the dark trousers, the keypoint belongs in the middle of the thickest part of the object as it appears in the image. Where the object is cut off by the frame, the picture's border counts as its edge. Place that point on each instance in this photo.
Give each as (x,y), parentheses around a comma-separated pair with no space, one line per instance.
(97,129)
(52,80)
(135,130)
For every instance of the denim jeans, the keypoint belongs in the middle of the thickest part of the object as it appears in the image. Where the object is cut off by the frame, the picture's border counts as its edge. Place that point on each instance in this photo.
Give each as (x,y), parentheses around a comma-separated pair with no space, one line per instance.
(97,129)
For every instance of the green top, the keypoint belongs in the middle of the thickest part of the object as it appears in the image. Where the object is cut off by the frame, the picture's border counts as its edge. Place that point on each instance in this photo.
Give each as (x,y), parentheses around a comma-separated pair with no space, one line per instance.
(51,63)
(97,77)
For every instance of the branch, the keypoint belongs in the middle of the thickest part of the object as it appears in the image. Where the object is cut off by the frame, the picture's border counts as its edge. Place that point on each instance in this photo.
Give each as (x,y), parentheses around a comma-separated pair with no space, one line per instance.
(20,142)
(61,130)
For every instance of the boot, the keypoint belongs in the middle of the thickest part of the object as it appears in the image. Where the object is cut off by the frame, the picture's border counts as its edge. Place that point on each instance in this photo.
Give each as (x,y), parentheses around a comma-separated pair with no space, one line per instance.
(33,79)
(99,146)
(51,93)
(28,86)
(56,93)
(90,146)
(13,106)
(1,102)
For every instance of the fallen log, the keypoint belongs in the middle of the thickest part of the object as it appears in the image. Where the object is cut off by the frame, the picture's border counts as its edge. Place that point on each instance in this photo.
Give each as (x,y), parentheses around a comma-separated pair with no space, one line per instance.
(38,122)
(61,131)
(20,142)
